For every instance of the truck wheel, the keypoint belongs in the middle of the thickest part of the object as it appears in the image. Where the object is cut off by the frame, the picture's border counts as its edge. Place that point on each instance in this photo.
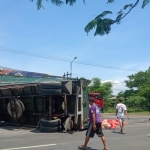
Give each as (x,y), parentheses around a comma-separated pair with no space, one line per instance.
(50,123)
(15,108)
(51,85)
(50,129)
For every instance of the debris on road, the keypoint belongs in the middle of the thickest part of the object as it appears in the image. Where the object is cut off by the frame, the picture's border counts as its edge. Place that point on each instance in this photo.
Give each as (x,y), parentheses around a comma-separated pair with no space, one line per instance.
(110,124)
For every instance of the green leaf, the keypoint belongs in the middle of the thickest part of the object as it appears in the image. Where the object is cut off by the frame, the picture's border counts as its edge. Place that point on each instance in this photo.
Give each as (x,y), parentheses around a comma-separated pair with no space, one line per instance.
(119,17)
(103,14)
(71,2)
(57,2)
(39,4)
(110,1)
(90,25)
(128,5)
(103,26)
(145,2)
(119,12)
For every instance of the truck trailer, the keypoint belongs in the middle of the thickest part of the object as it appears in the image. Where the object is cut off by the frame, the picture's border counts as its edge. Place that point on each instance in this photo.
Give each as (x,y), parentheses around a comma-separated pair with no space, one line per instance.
(52,102)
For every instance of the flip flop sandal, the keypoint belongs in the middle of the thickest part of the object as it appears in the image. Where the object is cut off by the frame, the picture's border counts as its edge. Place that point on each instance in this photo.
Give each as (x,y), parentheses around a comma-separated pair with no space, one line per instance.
(105,149)
(81,148)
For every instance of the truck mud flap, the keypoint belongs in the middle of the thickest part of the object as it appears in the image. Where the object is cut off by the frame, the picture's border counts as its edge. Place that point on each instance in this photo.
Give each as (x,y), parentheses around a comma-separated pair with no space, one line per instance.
(68,124)
(50,91)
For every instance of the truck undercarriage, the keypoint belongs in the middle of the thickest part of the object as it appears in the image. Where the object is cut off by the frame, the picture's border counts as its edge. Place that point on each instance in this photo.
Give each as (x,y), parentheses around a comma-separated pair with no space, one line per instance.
(54,104)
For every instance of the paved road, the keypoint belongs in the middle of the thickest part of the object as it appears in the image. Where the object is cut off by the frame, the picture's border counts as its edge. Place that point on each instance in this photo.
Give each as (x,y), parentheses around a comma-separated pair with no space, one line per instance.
(136,138)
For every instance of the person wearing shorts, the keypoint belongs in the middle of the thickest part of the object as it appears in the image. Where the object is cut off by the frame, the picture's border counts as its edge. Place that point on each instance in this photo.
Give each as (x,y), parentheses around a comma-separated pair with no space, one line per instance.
(120,110)
(95,125)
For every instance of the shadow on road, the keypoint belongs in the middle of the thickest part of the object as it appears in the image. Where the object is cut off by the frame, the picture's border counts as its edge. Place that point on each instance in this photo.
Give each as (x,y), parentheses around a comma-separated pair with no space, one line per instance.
(10,128)
(118,132)
(38,131)
(89,148)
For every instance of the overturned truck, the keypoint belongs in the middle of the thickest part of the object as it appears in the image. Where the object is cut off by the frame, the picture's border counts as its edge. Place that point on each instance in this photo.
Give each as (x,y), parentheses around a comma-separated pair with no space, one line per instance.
(53,102)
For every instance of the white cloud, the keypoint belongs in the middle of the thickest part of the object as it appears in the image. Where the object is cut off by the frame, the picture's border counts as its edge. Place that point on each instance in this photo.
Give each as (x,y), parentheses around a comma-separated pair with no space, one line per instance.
(118,86)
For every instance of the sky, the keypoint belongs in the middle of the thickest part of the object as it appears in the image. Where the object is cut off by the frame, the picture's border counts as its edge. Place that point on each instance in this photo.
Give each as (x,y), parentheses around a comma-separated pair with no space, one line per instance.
(47,40)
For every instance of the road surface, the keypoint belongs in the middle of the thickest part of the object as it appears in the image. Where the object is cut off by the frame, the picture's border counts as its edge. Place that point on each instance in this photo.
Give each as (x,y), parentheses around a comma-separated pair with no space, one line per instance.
(135,137)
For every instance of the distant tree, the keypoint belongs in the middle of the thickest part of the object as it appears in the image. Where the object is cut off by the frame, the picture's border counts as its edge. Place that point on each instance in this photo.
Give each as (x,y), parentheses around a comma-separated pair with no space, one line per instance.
(127,93)
(104,88)
(137,102)
(95,85)
(100,23)
(140,82)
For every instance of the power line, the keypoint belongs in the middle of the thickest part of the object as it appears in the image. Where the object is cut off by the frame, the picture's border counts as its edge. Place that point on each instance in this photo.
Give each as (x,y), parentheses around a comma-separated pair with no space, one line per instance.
(33,54)
(120,57)
(61,59)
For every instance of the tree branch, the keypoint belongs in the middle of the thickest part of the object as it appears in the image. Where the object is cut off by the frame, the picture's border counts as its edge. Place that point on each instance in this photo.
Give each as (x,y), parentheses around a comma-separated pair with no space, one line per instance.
(136,3)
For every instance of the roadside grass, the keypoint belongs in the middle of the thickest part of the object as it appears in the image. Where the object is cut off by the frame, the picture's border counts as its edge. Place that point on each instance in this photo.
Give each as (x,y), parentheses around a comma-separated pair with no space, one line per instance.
(130,110)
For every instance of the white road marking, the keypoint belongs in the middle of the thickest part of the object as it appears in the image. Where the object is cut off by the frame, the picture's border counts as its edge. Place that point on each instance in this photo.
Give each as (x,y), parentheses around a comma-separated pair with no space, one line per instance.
(29,147)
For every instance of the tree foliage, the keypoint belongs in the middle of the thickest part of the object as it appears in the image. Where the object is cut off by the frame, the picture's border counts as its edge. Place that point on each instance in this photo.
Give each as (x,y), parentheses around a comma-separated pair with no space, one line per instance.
(104,88)
(139,85)
(137,101)
(127,93)
(101,24)
(141,82)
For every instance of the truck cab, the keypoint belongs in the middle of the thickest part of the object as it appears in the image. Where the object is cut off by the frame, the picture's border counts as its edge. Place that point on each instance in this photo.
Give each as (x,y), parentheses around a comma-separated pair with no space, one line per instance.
(98,99)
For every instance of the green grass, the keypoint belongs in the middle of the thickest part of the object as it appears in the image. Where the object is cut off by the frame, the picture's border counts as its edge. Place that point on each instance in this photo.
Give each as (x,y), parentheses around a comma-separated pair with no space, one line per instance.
(141,113)
(130,110)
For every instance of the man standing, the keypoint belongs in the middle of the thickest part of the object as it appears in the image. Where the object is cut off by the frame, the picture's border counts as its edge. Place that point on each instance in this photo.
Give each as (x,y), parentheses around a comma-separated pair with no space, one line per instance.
(120,110)
(95,125)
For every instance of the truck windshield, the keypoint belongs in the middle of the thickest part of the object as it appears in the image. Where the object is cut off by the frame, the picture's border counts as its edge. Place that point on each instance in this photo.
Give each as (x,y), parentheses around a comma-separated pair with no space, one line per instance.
(98,96)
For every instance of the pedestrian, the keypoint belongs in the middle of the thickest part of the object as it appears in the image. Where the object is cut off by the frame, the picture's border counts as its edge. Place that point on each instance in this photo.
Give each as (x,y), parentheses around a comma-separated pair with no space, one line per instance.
(121,109)
(95,126)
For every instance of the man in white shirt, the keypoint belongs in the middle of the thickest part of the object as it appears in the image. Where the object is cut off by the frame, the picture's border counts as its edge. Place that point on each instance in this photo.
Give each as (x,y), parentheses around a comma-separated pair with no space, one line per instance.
(120,110)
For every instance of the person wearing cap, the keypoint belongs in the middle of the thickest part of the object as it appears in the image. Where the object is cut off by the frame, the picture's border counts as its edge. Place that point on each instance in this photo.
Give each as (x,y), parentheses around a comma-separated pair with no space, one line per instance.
(95,126)
(120,110)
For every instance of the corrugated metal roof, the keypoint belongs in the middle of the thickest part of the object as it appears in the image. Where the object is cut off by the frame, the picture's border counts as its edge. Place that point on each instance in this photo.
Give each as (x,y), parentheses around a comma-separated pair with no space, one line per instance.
(10,76)
(12,80)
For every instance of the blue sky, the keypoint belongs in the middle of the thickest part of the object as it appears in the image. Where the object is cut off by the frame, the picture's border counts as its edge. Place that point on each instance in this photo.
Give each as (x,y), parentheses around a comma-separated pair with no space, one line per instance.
(58,33)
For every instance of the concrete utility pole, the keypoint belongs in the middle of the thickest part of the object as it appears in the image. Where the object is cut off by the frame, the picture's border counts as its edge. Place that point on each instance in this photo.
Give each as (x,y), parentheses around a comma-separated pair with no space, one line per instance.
(71,67)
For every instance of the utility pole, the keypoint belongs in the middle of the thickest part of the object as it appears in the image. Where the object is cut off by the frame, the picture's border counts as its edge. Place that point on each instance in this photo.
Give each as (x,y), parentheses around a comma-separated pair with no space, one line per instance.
(71,67)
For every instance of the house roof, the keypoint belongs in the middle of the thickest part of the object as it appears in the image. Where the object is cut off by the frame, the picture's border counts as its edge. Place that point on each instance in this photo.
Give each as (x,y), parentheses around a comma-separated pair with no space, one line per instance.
(113,98)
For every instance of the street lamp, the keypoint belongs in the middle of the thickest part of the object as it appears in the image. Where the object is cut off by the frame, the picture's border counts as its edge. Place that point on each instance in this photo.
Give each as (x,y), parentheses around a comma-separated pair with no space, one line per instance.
(71,67)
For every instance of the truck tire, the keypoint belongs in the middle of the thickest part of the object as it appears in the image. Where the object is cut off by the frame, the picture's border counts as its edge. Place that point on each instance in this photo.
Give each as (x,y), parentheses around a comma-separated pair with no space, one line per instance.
(50,123)
(50,85)
(50,129)
(50,91)
(15,108)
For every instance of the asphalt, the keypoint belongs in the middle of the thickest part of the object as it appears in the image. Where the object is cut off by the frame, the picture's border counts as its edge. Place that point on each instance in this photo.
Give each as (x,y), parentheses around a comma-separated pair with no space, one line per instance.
(136,137)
